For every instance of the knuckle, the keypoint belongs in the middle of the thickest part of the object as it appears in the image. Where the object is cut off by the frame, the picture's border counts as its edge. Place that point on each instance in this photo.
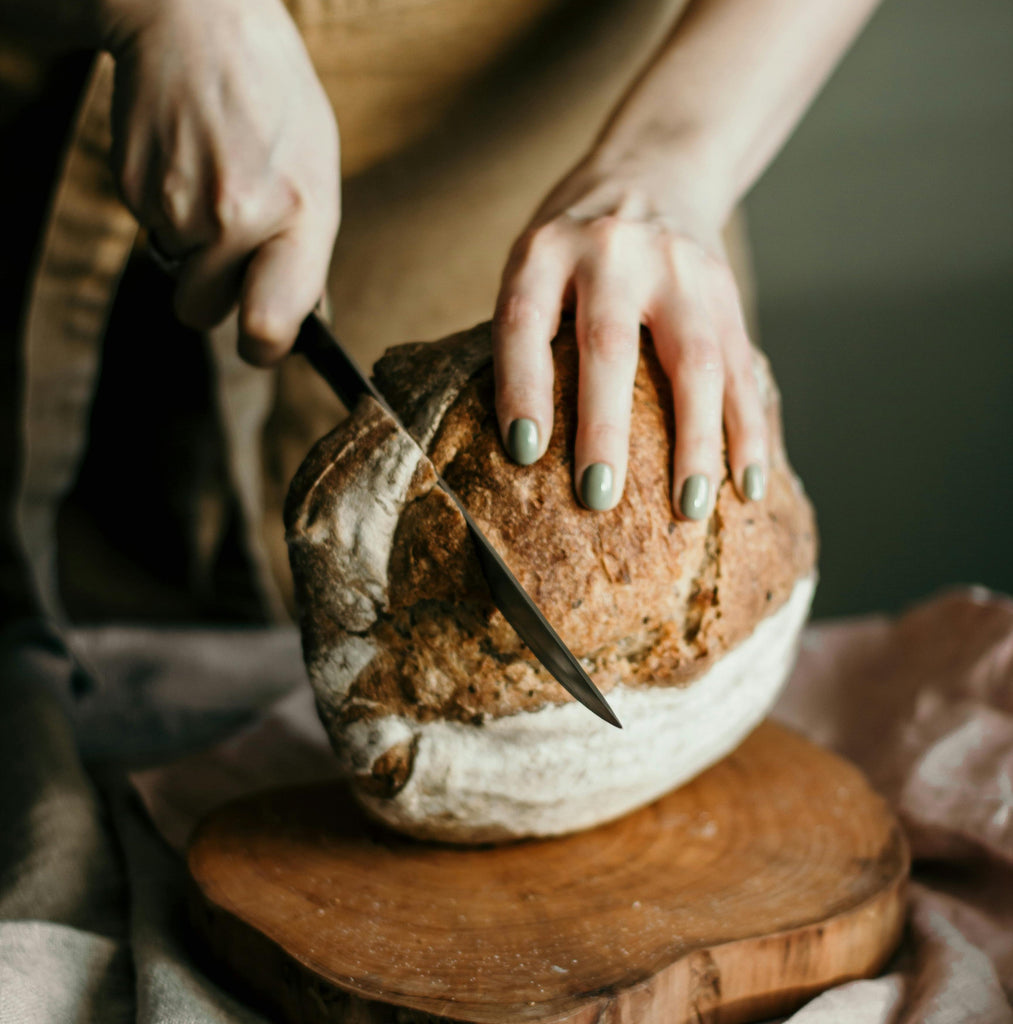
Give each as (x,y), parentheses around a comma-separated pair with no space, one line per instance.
(234,209)
(606,229)
(516,312)
(545,237)
(537,243)
(748,418)
(294,201)
(700,447)
(754,436)
(518,394)
(176,198)
(700,357)
(608,341)
(603,436)
(265,327)
(244,205)
(736,399)
(740,399)
(740,384)
(610,237)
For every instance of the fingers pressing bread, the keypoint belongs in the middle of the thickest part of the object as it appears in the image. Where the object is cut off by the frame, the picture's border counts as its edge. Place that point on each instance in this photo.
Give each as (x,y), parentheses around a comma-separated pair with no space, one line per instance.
(526,320)
(608,344)
(618,275)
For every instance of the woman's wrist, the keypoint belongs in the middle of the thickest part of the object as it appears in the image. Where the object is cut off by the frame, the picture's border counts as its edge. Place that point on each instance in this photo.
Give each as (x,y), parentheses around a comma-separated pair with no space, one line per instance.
(676,179)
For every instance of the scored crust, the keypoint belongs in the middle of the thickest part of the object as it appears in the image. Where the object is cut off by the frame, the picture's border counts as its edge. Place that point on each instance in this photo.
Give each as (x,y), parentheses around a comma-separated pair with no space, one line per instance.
(647,598)
(397,621)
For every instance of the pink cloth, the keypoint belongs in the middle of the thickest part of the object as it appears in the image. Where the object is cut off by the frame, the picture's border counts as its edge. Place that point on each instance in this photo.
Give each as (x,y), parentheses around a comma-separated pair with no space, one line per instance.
(922,703)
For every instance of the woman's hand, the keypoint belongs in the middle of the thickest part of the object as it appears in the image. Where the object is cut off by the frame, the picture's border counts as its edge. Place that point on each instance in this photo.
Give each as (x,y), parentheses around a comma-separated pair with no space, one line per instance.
(226,149)
(632,236)
(624,246)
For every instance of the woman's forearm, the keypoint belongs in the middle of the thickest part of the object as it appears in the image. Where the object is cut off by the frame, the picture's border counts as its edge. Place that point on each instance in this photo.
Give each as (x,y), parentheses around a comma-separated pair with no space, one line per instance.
(728,86)
(632,236)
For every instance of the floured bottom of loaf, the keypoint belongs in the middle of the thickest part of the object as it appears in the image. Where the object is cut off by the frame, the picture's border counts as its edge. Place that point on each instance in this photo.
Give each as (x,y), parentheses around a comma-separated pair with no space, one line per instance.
(560,769)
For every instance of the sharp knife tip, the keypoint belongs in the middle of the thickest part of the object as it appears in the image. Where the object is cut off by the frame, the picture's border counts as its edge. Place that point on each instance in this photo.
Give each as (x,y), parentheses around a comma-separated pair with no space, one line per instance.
(606,714)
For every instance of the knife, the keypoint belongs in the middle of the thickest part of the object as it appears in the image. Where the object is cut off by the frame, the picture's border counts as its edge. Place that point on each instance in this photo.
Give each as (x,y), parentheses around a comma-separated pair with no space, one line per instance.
(328,357)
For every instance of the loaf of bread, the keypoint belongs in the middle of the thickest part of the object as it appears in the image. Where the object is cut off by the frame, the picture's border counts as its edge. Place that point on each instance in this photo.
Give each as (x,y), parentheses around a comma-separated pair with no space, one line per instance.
(444,722)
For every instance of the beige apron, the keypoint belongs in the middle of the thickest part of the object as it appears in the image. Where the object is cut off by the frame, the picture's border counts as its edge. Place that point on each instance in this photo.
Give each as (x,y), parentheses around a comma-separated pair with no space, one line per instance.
(456,117)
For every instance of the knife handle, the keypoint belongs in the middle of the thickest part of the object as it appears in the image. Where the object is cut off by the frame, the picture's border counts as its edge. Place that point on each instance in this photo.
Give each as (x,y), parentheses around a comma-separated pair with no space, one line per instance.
(326,355)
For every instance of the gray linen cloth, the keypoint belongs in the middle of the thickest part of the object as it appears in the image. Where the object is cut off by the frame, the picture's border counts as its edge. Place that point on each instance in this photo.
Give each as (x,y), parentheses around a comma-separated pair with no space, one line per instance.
(91,921)
(92,926)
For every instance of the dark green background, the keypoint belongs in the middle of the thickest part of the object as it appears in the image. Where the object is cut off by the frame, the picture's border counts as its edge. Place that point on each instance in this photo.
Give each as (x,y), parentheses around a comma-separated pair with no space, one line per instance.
(883,243)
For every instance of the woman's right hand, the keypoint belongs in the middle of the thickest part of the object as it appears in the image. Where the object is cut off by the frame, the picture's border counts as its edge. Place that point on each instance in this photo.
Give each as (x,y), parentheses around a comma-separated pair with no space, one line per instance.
(226,149)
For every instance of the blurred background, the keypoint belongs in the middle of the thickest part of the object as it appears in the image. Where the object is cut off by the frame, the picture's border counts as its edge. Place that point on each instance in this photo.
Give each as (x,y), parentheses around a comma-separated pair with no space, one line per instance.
(883,248)
(883,244)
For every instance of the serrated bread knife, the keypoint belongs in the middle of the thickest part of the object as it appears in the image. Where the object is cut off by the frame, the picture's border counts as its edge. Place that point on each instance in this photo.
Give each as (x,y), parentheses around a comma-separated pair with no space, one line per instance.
(328,357)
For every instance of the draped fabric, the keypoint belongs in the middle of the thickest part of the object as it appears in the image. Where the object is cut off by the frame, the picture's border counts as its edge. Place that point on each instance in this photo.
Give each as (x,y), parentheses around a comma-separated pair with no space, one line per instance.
(83,252)
(92,884)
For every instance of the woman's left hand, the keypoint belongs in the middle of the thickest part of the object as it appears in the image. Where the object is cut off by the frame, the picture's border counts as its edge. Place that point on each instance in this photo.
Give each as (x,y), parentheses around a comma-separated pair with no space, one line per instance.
(624,247)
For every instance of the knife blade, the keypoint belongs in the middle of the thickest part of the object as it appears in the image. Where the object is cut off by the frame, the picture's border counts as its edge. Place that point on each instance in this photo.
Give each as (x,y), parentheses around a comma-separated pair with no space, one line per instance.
(330,359)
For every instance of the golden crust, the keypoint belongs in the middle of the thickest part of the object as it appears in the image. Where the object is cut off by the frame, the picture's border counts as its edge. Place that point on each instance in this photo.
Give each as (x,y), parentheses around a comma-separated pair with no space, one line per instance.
(645,599)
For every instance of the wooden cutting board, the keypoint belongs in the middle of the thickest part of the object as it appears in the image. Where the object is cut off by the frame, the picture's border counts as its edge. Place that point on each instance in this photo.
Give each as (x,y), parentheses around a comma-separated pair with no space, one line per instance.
(772,876)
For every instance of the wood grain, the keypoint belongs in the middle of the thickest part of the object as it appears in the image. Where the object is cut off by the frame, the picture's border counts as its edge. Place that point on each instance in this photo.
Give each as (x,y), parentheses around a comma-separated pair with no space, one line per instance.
(772,876)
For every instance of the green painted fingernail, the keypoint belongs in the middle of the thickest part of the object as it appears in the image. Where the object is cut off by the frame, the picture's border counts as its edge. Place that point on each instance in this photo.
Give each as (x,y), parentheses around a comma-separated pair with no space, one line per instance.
(522,441)
(695,496)
(754,483)
(596,486)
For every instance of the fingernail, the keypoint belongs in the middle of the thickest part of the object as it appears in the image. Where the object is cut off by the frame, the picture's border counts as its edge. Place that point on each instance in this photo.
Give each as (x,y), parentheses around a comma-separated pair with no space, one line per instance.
(754,483)
(596,486)
(695,496)
(522,442)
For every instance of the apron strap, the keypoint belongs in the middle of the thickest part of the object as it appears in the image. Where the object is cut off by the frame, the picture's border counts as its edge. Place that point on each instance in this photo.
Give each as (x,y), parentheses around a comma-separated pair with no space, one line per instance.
(87,240)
